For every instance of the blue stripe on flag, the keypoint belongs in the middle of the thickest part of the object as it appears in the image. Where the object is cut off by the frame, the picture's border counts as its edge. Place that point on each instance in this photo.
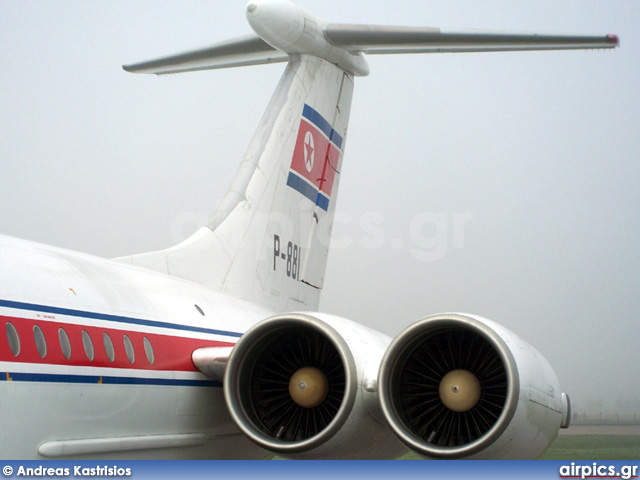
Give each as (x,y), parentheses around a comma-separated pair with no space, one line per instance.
(319,121)
(322,201)
(297,183)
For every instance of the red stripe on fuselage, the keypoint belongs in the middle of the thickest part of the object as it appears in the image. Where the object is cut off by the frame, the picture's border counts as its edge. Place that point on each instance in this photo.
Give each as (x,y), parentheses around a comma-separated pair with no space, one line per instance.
(171,353)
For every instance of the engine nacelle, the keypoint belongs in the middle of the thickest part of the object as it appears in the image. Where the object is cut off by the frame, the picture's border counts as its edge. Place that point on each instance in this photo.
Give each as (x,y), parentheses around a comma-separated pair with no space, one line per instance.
(461,386)
(303,386)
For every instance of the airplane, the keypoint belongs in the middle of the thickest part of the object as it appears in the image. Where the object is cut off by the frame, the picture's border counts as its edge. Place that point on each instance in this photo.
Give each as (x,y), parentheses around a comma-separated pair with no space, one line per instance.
(214,348)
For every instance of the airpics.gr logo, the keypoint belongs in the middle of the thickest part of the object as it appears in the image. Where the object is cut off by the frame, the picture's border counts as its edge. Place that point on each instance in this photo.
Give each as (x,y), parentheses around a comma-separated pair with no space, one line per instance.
(315,158)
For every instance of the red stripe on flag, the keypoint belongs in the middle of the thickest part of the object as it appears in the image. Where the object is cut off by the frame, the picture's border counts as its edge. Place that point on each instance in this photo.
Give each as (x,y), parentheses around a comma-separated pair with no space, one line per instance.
(315,158)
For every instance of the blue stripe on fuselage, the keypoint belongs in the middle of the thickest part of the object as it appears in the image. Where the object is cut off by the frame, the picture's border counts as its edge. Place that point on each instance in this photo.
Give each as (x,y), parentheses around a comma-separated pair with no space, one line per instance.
(105,380)
(113,318)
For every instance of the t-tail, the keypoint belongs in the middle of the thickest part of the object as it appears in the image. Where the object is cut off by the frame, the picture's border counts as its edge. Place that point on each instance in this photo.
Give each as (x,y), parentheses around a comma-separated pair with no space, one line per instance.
(268,241)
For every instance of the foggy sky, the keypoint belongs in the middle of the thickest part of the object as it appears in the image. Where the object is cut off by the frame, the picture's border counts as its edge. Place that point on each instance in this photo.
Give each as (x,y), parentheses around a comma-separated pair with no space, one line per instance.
(500,184)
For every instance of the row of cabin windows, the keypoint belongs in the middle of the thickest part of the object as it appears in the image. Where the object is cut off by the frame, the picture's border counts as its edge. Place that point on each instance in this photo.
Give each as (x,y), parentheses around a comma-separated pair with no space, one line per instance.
(87,343)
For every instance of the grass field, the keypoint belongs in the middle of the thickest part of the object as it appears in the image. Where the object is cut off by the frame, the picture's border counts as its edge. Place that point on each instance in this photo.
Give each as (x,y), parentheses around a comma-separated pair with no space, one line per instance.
(586,447)
(594,447)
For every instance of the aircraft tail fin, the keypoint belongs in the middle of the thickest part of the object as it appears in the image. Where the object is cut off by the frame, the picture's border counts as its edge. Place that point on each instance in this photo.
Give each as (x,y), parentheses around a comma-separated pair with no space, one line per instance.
(268,241)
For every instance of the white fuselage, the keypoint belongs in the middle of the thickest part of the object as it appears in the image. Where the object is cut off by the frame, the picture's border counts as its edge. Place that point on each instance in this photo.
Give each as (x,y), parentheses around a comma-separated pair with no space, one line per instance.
(97,356)
(114,372)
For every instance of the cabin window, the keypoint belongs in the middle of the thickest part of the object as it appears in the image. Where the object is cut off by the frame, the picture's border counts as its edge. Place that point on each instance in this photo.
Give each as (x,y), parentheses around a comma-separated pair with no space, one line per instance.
(128,347)
(148,349)
(41,342)
(108,347)
(14,339)
(88,345)
(65,344)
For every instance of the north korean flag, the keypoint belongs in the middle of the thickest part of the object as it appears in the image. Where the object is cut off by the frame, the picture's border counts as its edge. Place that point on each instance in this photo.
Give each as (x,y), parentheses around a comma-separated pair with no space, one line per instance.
(315,158)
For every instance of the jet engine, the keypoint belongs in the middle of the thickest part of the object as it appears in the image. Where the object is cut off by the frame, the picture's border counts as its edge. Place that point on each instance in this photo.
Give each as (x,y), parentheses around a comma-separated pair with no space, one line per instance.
(297,385)
(317,386)
(461,386)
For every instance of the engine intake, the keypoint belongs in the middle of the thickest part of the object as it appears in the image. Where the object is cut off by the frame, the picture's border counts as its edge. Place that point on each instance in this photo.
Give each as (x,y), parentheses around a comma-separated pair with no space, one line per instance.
(449,386)
(291,383)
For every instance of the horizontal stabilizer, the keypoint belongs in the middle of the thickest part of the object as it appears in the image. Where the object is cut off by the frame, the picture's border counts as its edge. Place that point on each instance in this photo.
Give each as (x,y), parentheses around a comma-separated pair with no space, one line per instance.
(284,28)
(374,39)
(237,52)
